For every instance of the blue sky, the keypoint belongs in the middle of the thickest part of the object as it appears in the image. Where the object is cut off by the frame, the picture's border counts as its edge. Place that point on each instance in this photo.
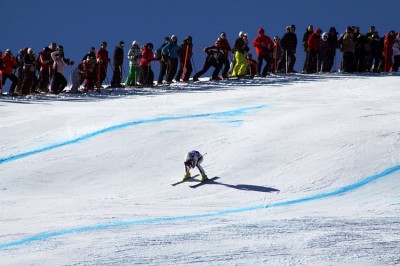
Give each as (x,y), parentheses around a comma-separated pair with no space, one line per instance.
(77,25)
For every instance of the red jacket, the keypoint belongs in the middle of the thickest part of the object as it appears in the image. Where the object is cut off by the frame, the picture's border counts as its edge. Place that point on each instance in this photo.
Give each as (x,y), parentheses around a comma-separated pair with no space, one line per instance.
(9,63)
(223,44)
(313,40)
(388,45)
(102,57)
(147,57)
(263,44)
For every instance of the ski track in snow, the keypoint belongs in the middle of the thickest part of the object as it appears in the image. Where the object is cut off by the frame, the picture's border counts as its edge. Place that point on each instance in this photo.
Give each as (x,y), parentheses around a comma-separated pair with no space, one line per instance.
(229,113)
(335,193)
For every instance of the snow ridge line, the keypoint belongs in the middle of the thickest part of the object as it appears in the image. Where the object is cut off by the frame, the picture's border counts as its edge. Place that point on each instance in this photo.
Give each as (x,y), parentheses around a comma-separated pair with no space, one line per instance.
(335,193)
(229,113)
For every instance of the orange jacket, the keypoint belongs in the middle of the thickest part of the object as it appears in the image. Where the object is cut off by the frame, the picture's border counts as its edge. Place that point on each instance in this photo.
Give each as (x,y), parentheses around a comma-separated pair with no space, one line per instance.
(9,62)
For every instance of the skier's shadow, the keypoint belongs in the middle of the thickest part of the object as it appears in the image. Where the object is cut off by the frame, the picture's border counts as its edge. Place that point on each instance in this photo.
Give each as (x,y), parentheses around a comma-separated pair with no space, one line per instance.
(247,187)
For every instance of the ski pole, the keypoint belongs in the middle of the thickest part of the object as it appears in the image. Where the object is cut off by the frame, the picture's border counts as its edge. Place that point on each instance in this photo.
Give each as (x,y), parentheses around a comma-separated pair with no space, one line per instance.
(194,67)
(184,65)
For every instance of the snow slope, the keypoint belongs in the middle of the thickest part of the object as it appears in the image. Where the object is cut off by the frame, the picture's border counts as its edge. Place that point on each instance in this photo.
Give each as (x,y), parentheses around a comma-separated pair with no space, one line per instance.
(309,174)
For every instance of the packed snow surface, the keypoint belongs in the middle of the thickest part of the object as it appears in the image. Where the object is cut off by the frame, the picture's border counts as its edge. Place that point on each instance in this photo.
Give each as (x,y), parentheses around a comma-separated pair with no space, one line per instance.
(308,167)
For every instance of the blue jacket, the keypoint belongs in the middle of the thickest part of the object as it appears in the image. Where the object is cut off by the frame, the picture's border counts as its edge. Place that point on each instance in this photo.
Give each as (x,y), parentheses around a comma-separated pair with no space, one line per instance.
(171,49)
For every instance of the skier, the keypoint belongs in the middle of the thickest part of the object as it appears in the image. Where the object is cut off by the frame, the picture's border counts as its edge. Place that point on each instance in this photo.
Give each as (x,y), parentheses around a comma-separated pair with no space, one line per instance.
(194,159)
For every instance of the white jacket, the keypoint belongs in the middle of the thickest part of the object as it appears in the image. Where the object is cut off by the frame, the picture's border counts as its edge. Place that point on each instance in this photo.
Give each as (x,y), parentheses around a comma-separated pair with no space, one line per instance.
(59,63)
(396,47)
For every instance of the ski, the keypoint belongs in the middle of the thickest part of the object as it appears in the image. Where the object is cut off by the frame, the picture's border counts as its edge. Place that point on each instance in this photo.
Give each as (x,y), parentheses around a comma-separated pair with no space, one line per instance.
(183,181)
(205,182)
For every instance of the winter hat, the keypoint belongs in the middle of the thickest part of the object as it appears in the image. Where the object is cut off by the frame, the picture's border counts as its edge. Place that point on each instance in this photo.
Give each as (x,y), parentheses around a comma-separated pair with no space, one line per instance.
(318,31)
(174,38)
(241,34)
(133,43)
(122,42)
(260,30)
(8,51)
(103,43)
(293,27)
(324,35)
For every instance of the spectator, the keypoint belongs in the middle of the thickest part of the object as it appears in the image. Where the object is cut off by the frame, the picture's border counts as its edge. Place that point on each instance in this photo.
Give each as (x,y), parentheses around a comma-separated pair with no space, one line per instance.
(185,52)
(288,43)
(223,44)
(215,58)
(171,52)
(146,73)
(163,61)
(388,50)
(332,46)
(134,56)
(9,63)
(264,49)
(396,53)
(102,64)
(118,64)
(240,48)
(45,62)
(348,47)
(30,80)
(59,82)
(306,36)
(312,51)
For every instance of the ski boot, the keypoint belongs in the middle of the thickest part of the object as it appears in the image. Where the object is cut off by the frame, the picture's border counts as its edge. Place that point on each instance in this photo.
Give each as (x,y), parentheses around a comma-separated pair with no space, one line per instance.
(186,177)
(204,177)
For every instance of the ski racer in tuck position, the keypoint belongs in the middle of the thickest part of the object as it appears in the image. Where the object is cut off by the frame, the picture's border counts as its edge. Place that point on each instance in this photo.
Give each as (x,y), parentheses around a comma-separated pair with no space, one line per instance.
(194,159)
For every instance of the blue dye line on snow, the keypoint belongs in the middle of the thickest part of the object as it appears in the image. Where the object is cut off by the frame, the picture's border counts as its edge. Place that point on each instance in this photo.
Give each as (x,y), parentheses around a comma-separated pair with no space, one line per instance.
(335,193)
(229,113)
